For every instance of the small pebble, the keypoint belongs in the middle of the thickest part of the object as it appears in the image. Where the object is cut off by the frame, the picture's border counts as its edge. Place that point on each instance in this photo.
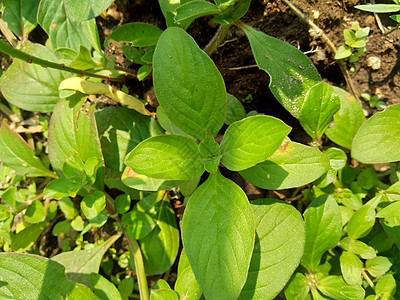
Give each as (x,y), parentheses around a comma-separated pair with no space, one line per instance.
(374,62)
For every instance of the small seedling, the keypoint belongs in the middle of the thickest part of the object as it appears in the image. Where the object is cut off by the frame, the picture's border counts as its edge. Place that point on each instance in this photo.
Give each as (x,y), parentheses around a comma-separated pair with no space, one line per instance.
(373,100)
(355,43)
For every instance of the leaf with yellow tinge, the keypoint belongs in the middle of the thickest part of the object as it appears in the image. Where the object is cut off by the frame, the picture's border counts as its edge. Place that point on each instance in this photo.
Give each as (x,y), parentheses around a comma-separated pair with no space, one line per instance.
(93,88)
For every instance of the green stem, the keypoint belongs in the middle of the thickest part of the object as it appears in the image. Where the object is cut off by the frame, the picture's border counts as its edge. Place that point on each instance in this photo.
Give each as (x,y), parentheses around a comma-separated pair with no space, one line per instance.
(217,39)
(139,266)
(367,279)
(8,50)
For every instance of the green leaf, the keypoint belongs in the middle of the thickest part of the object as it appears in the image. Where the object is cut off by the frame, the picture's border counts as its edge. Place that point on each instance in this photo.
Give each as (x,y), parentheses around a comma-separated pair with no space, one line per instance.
(160,247)
(104,288)
(93,204)
(62,187)
(138,224)
(218,237)
(386,285)
(298,288)
(67,207)
(346,121)
(79,11)
(323,229)
(234,110)
(186,284)
(336,288)
(29,86)
(167,123)
(210,154)
(378,266)
(122,203)
(138,34)
(144,71)
(195,9)
(351,267)
(18,154)
(35,212)
(287,66)
(252,140)
(61,227)
(320,104)
(343,51)
(390,211)
(188,85)
(54,19)
(293,165)
(80,264)
(25,239)
(26,276)
(145,183)
(171,157)
(337,158)
(361,222)
(279,246)
(377,139)
(120,130)
(20,16)
(168,9)
(83,60)
(162,291)
(379,8)
(358,247)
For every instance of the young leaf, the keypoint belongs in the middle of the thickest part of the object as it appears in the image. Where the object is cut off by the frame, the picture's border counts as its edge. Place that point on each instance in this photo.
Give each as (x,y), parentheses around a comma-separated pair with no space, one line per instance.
(378,266)
(138,34)
(83,59)
(351,267)
(80,264)
(361,222)
(120,130)
(168,9)
(320,104)
(280,237)
(377,139)
(323,229)
(29,86)
(195,9)
(186,284)
(170,157)
(62,187)
(252,140)
(145,183)
(83,10)
(218,237)
(234,110)
(25,239)
(53,18)
(27,276)
(20,16)
(35,212)
(291,166)
(386,286)
(188,85)
(287,66)
(104,288)
(335,288)
(18,155)
(298,288)
(93,204)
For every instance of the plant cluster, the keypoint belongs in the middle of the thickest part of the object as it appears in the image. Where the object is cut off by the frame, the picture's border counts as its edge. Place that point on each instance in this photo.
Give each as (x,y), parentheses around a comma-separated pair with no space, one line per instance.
(355,42)
(94,172)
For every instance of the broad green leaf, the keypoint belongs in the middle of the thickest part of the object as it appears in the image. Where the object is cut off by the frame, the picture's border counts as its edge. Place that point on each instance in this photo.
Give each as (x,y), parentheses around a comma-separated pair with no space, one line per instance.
(298,288)
(251,140)
(386,285)
(168,9)
(35,212)
(323,229)
(378,266)
(122,203)
(25,239)
(93,88)
(18,154)
(337,158)
(62,187)
(26,276)
(279,246)
(93,204)
(83,10)
(377,140)
(358,247)
(293,165)
(54,19)
(138,224)
(160,247)
(390,211)
(292,73)
(145,183)
(80,264)
(138,34)
(162,291)
(170,157)
(379,8)
(188,85)
(335,288)
(195,9)
(361,222)
(104,288)
(343,51)
(320,104)
(67,207)
(61,227)
(234,110)
(120,130)
(167,123)
(351,267)
(83,59)
(20,16)
(29,86)
(186,284)
(218,237)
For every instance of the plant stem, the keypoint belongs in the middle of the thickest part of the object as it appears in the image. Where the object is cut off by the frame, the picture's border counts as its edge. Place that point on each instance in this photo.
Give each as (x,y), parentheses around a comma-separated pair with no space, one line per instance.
(330,45)
(8,50)
(139,266)
(217,39)
(367,279)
